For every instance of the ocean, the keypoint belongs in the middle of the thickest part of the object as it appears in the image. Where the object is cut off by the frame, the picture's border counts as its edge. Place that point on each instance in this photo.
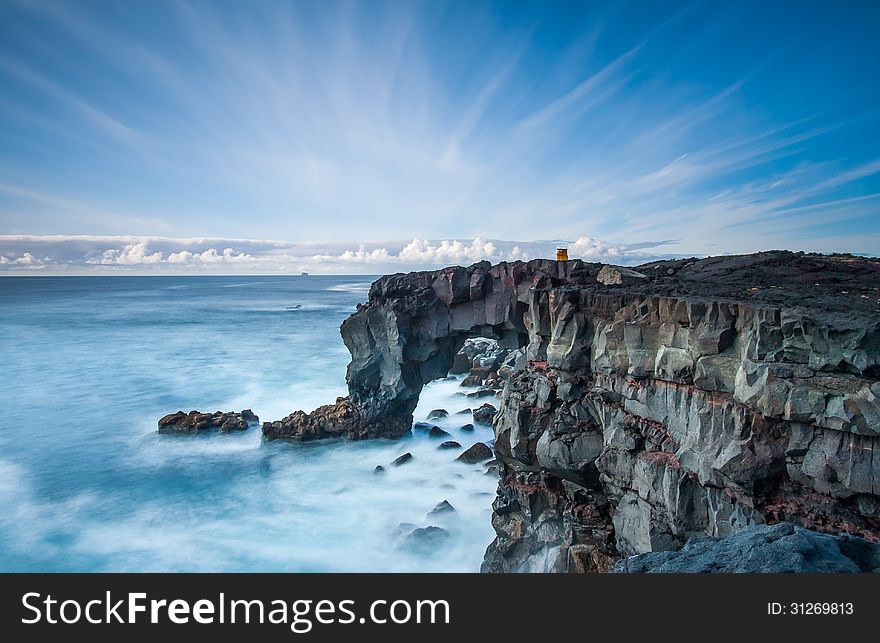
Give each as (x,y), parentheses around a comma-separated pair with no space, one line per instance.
(87,484)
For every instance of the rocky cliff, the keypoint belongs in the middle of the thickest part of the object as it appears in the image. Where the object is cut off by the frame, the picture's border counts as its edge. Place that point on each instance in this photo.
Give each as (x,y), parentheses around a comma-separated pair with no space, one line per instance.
(676,399)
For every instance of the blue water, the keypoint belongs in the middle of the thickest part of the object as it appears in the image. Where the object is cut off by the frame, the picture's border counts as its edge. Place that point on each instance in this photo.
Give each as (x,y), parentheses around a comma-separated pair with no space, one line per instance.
(87,484)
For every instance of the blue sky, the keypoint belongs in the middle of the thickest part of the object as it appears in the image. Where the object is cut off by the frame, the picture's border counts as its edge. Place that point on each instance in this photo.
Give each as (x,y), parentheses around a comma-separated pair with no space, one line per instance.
(367,136)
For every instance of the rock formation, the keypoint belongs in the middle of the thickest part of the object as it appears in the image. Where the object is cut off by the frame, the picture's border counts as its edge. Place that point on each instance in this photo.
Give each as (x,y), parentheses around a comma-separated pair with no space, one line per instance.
(196,421)
(677,399)
(778,549)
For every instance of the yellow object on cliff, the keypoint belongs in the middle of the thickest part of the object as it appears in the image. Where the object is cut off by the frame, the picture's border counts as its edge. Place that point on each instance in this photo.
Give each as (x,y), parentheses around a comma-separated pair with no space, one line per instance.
(561,254)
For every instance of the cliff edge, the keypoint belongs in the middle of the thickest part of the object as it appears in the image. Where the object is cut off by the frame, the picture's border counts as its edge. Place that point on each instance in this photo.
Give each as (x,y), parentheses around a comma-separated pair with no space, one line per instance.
(659,403)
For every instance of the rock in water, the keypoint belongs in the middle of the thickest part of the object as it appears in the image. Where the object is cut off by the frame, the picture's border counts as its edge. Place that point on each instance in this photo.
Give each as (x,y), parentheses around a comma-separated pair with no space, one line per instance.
(424,540)
(485,414)
(441,508)
(467,427)
(768,549)
(437,432)
(195,422)
(436,414)
(449,444)
(402,459)
(378,470)
(476,453)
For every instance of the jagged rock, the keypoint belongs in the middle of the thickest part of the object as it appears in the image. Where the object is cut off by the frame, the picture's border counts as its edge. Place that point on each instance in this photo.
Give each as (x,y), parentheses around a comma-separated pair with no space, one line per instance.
(344,419)
(476,453)
(484,414)
(196,422)
(473,379)
(437,432)
(402,459)
(402,529)
(442,508)
(436,414)
(781,548)
(424,540)
(449,444)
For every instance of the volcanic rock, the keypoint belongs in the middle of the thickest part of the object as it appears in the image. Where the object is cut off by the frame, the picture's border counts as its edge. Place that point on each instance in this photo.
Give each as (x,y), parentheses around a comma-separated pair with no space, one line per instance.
(769,549)
(402,459)
(196,422)
(476,453)
(485,414)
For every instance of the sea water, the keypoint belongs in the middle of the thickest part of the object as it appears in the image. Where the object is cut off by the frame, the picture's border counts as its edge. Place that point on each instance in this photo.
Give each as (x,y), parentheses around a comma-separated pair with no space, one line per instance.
(89,364)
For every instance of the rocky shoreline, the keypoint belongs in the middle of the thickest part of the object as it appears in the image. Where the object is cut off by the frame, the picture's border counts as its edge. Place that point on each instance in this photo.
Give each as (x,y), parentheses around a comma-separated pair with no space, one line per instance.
(642,409)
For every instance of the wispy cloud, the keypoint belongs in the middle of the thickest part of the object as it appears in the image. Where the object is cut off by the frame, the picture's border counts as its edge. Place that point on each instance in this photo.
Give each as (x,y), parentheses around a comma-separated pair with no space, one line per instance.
(436,121)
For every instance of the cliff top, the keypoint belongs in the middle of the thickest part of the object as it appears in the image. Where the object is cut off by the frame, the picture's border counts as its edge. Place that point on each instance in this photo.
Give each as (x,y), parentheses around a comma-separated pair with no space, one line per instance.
(843,286)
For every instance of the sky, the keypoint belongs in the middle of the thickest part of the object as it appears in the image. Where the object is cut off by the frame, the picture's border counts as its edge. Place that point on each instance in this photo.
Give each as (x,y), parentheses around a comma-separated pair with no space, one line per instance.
(376,136)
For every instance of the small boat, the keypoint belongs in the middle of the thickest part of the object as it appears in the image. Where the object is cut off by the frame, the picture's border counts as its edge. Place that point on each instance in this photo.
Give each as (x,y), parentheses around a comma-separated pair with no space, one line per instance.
(303,274)
(297,307)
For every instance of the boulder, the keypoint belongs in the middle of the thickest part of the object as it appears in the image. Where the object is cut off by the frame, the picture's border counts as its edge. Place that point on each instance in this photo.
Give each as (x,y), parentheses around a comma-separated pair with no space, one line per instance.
(767,549)
(619,276)
(424,540)
(436,414)
(484,414)
(402,459)
(441,509)
(449,444)
(476,453)
(437,432)
(196,422)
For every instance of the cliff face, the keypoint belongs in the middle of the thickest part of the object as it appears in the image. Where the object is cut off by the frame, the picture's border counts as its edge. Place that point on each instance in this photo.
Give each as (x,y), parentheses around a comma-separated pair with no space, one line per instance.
(683,398)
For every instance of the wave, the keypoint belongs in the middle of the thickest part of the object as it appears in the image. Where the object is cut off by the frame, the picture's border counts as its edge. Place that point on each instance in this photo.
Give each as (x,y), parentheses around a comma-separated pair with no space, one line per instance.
(357,287)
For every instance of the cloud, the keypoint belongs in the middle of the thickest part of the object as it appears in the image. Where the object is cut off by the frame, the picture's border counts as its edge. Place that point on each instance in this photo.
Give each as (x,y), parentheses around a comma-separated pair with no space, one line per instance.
(79,254)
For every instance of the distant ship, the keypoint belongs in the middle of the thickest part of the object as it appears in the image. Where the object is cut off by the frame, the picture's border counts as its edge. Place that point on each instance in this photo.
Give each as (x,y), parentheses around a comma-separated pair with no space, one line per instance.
(303,274)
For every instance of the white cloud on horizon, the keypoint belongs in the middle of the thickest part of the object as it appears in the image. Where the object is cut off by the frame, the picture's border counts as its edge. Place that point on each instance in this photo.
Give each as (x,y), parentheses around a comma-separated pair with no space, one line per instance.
(82,254)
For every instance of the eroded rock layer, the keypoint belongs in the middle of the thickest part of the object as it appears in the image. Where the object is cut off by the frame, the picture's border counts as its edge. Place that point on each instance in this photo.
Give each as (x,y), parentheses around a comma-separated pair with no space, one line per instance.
(679,399)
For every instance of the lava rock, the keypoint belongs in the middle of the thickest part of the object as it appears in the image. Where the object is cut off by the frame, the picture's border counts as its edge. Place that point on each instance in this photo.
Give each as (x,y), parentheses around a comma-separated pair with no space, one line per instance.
(476,453)
(196,421)
(769,549)
(441,508)
(485,414)
(619,276)
(402,459)
(424,540)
